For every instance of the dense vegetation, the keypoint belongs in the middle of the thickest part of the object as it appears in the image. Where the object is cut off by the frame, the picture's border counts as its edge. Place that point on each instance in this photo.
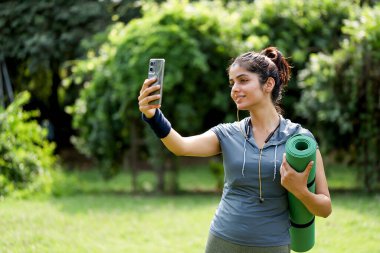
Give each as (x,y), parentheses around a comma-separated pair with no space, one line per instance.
(26,157)
(84,62)
(341,93)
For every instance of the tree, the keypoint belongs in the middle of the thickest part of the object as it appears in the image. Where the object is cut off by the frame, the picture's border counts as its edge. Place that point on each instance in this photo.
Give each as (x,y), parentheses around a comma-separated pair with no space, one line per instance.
(298,29)
(197,47)
(341,94)
(38,37)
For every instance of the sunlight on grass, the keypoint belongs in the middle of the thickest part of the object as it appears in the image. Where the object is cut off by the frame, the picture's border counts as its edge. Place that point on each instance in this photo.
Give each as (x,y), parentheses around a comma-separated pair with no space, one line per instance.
(107,224)
(98,216)
(125,223)
(354,225)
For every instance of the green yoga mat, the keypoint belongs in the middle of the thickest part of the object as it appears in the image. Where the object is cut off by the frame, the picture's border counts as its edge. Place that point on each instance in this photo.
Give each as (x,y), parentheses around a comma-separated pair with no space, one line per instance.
(300,150)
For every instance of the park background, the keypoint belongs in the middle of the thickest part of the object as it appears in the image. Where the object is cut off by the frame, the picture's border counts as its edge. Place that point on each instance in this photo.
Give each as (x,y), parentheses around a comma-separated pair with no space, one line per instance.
(79,170)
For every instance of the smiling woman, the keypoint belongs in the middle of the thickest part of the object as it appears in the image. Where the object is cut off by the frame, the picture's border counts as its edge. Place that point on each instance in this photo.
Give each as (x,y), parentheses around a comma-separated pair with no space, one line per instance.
(257,67)
(253,214)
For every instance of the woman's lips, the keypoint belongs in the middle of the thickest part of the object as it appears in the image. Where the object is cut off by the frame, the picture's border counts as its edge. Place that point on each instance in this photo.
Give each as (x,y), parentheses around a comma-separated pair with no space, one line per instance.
(239,97)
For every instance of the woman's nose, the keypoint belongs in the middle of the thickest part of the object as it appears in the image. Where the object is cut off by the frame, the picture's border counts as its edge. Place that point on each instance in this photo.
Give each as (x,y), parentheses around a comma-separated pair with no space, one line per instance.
(234,88)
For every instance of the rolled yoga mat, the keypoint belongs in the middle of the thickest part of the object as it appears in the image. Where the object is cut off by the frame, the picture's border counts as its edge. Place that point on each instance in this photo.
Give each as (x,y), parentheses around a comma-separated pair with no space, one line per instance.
(300,150)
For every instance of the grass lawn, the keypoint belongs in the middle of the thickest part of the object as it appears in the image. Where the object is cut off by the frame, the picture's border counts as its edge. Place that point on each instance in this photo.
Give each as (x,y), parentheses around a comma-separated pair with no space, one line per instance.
(103,218)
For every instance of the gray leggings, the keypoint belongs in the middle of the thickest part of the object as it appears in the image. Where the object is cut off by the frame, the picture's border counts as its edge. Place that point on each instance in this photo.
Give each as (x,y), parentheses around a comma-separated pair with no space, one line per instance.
(218,245)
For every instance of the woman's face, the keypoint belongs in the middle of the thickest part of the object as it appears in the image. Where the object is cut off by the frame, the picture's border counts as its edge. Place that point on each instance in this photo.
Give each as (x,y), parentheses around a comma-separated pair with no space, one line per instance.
(246,90)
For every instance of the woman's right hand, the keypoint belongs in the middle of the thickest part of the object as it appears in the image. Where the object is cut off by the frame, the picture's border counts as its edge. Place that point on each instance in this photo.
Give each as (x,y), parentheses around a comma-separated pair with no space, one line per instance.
(145,98)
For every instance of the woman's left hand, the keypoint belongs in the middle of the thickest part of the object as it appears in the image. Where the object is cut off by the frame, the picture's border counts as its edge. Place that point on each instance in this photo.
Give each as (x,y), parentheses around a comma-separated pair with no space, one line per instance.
(293,181)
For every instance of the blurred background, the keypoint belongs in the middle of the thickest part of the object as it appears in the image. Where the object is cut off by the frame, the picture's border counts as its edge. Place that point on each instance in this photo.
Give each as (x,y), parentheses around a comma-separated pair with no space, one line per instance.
(72,139)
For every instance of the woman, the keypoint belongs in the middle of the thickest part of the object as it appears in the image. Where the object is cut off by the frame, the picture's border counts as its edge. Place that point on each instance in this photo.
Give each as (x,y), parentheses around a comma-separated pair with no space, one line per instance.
(253,212)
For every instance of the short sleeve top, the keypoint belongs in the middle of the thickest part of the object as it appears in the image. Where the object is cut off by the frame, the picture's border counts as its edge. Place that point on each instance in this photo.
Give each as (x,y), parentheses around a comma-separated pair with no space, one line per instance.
(240,217)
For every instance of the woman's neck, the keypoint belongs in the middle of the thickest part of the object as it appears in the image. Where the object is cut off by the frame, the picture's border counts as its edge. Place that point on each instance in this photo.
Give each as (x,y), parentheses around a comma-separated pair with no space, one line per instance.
(265,120)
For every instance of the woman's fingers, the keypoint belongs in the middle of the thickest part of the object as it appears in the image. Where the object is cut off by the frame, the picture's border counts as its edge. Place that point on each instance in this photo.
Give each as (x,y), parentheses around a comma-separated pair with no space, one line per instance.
(144,108)
(147,83)
(147,91)
(308,169)
(284,164)
(145,97)
(145,100)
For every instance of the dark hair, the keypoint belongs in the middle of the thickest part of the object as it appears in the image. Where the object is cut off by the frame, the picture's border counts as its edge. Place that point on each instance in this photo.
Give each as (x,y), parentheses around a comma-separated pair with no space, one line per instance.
(268,63)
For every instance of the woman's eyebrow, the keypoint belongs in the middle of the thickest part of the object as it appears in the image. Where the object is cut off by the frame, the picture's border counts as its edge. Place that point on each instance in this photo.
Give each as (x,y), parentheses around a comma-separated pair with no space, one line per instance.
(238,76)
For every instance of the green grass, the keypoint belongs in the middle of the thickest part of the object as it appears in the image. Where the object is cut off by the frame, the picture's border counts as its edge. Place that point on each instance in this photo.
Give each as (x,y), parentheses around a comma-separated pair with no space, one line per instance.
(198,178)
(343,177)
(161,224)
(195,178)
(103,217)
(106,223)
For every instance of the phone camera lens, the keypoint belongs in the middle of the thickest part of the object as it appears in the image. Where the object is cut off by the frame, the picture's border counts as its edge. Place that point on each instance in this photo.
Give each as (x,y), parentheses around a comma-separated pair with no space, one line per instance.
(151,69)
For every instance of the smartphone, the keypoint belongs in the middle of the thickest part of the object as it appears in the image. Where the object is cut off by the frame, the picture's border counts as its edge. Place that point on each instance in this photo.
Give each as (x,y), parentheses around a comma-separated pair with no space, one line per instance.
(156,69)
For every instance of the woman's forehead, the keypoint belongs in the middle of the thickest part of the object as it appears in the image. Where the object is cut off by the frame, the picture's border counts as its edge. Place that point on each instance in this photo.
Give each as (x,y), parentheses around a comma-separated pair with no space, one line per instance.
(236,71)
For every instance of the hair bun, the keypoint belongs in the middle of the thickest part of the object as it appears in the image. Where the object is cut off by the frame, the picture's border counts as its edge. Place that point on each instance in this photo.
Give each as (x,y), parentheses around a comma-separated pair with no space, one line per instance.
(273,54)
(282,65)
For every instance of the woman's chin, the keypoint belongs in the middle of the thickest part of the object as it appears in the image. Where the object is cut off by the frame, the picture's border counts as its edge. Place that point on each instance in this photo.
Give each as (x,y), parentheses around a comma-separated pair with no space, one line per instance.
(241,107)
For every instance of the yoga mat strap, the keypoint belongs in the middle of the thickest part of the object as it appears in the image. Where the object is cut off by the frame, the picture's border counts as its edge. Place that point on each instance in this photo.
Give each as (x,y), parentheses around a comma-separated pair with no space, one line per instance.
(311,183)
(302,225)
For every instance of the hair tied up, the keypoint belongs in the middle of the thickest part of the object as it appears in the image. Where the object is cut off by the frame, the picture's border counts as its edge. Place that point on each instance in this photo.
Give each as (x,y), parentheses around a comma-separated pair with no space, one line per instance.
(281,63)
(268,63)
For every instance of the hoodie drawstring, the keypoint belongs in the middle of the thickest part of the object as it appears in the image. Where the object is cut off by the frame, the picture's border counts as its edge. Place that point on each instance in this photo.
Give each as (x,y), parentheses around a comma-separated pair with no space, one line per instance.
(275,163)
(243,167)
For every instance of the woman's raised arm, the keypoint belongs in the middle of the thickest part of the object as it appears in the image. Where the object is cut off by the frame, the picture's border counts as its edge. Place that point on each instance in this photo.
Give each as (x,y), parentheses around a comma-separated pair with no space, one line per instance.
(206,144)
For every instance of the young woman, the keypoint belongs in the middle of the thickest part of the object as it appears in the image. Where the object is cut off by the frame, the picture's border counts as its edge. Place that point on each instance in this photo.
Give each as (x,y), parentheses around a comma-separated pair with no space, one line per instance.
(253,212)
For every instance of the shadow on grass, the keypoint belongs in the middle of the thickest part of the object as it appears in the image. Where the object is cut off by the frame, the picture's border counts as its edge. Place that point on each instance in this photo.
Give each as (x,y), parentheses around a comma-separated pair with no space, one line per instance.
(142,202)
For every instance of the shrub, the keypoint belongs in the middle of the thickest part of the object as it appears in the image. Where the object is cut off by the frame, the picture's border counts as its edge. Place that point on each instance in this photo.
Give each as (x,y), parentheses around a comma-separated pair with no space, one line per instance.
(26,157)
(341,94)
(196,46)
(298,29)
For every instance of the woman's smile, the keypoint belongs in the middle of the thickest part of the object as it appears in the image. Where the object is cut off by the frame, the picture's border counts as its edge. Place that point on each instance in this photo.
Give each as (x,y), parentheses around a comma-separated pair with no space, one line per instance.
(238,98)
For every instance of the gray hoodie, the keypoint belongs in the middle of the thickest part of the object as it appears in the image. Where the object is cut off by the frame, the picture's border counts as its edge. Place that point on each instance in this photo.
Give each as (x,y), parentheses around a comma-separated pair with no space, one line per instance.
(241,218)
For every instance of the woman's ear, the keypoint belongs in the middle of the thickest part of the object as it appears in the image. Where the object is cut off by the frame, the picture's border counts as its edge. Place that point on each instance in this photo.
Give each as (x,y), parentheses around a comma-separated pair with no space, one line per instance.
(269,85)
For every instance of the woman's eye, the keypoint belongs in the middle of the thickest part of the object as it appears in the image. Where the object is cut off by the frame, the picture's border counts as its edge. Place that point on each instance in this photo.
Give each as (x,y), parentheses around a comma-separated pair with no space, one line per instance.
(231,85)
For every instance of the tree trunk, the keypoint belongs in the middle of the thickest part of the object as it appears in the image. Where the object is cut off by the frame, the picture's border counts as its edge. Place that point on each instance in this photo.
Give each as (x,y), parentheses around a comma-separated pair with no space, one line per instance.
(133,156)
(173,168)
(156,159)
(159,168)
(59,120)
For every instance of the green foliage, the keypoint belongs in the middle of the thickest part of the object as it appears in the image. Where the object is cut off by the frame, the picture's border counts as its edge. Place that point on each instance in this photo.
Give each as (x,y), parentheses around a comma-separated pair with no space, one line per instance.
(297,28)
(217,170)
(39,34)
(342,93)
(196,46)
(26,157)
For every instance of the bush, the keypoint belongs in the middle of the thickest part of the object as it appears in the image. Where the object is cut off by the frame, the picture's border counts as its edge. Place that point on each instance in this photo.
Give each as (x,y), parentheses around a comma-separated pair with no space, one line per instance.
(196,46)
(297,28)
(26,157)
(341,94)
